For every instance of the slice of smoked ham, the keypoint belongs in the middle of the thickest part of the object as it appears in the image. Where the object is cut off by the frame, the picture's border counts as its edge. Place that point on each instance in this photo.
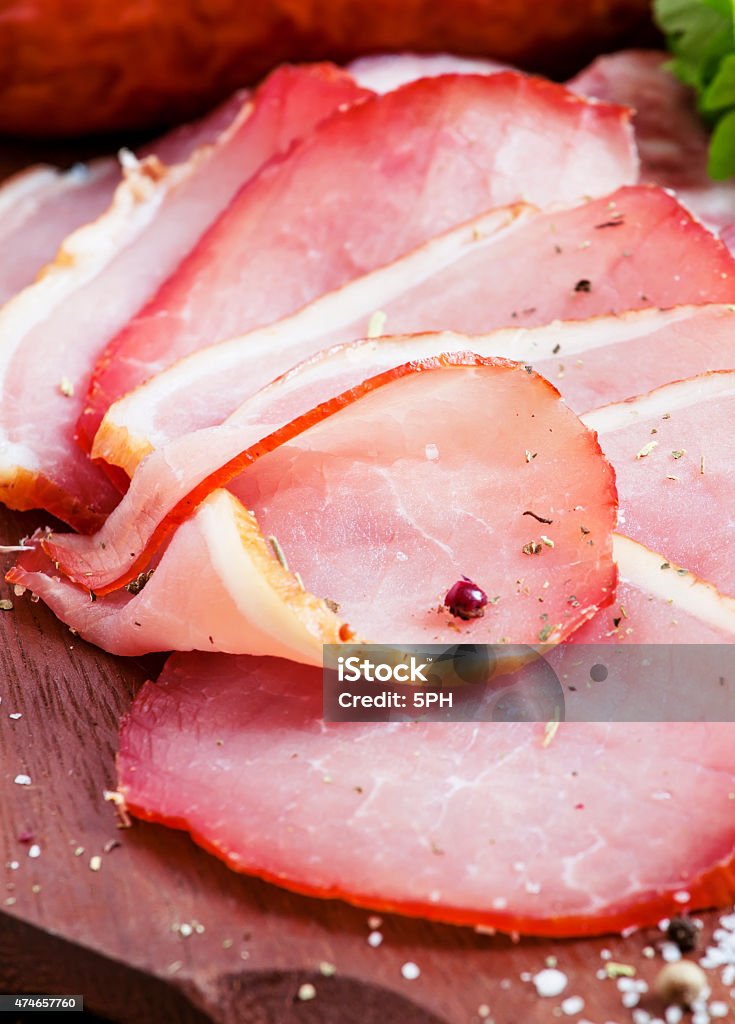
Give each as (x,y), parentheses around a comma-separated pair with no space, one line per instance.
(371,184)
(169,483)
(602,257)
(41,206)
(234,751)
(52,332)
(672,138)
(673,451)
(464,455)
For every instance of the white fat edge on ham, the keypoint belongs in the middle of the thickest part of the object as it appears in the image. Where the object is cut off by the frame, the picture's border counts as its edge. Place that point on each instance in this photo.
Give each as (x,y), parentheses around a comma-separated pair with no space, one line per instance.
(166,475)
(681,589)
(594,489)
(678,395)
(385,72)
(82,257)
(357,302)
(215,587)
(438,286)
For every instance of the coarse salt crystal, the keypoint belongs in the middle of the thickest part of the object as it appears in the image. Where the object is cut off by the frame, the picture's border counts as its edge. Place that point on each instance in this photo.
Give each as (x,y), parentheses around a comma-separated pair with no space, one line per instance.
(483,1011)
(682,896)
(630,999)
(15,716)
(13,865)
(22,780)
(34,851)
(410,970)
(670,952)
(185,930)
(306,992)
(95,863)
(432,452)
(674,1014)
(572,1005)
(641,1017)
(550,982)
(718,1009)
(374,922)
(728,975)
(375,939)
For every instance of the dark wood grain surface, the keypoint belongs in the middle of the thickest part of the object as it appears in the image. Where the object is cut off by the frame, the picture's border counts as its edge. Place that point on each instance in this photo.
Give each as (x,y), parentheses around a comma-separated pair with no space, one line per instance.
(113,934)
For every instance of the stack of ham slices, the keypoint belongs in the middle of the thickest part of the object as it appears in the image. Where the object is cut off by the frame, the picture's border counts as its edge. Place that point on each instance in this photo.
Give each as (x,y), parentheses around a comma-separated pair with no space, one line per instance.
(357,335)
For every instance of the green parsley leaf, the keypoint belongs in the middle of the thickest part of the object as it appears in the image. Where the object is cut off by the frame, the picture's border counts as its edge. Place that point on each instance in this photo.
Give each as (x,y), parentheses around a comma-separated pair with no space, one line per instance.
(701,37)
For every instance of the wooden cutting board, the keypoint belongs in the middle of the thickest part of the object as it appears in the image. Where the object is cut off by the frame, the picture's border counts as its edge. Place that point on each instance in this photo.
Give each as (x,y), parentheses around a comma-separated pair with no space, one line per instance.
(113,934)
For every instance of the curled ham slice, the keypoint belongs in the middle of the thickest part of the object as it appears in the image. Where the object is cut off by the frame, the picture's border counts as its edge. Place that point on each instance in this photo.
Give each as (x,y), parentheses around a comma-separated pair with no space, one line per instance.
(368,186)
(52,332)
(472,279)
(437,493)
(471,823)
(172,480)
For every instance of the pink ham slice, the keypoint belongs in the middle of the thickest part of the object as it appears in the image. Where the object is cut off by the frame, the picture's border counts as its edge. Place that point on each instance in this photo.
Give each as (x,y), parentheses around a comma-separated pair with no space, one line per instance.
(612,246)
(170,481)
(672,139)
(371,184)
(655,606)
(673,452)
(360,811)
(435,494)
(41,206)
(52,332)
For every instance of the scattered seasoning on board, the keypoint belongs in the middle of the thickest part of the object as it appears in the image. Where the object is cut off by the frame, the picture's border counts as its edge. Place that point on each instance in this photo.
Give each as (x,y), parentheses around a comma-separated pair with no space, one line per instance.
(327,969)
(66,387)
(530,455)
(550,982)
(6,605)
(95,863)
(583,285)
(306,992)
(679,453)
(614,969)
(680,983)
